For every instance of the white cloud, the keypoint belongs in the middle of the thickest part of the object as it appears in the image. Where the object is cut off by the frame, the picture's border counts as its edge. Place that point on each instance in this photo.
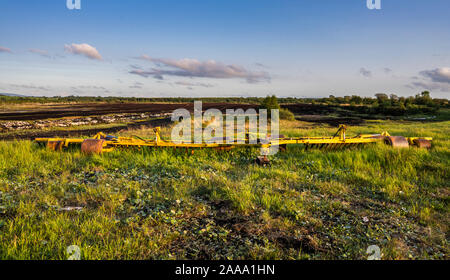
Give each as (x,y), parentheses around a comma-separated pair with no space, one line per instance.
(194,68)
(83,49)
(440,75)
(430,86)
(387,70)
(39,52)
(188,84)
(137,85)
(88,89)
(433,80)
(366,73)
(30,87)
(3,49)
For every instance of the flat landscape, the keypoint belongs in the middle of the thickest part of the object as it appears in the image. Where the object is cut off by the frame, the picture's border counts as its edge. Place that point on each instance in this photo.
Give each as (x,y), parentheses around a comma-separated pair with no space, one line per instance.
(28,121)
(169,204)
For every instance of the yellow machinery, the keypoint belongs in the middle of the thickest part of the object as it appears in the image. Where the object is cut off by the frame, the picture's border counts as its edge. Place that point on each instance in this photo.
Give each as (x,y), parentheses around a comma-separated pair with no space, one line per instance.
(104,143)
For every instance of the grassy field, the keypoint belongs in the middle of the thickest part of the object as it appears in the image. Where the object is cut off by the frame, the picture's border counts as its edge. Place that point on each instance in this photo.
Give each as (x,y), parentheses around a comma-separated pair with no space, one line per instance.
(164,204)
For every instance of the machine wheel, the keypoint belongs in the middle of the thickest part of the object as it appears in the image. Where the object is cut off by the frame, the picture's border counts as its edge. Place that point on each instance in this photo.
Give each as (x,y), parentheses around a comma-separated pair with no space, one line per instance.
(422,143)
(92,146)
(55,145)
(397,141)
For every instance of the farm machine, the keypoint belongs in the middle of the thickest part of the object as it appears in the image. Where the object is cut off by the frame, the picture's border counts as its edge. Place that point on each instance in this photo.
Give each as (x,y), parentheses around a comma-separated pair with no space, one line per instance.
(101,142)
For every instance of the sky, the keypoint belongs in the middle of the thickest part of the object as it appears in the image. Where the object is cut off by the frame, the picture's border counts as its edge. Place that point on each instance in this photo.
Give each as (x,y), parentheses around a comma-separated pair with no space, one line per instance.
(208,48)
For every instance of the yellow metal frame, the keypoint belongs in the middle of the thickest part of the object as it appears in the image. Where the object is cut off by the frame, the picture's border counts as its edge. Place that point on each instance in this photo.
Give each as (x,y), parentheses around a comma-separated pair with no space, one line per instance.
(340,139)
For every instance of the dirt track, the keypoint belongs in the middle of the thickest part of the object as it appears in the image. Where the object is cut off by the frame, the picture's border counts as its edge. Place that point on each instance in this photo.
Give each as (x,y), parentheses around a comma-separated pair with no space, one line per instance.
(84,132)
(44,112)
(76,110)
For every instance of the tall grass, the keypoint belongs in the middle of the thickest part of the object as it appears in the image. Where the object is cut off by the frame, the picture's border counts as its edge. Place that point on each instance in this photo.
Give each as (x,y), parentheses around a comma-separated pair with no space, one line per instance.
(166,204)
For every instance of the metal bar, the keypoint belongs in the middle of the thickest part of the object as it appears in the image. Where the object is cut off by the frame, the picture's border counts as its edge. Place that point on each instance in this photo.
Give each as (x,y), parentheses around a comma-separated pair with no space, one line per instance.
(339,141)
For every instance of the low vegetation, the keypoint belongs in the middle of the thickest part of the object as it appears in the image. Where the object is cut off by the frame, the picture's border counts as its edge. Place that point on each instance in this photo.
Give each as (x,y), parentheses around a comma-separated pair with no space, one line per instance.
(169,204)
(381,104)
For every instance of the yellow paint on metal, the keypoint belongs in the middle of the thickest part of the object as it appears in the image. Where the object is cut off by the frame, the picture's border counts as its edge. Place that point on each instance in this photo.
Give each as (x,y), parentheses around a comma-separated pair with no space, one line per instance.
(340,139)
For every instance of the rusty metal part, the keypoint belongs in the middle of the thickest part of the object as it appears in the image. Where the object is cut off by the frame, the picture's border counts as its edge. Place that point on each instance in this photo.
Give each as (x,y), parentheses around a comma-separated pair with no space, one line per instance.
(283,148)
(422,143)
(397,141)
(332,146)
(263,160)
(379,137)
(55,145)
(92,146)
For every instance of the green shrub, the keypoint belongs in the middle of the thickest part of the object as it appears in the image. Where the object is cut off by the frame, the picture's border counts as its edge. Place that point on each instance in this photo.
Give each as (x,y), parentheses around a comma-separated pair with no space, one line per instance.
(285,114)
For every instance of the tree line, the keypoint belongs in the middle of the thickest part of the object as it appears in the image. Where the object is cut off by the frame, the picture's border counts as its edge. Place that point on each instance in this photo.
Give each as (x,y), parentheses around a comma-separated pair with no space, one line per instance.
(381,103)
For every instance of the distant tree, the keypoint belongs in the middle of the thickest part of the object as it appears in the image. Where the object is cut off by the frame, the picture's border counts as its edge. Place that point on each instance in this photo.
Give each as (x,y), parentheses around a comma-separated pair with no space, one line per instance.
(368,101)
(394,97)
(394,100)
(347,99)
(340,100)
(331,99)
(356,99)
(270,102)
(410,100)
(425,94)
(382,97)
(424,98)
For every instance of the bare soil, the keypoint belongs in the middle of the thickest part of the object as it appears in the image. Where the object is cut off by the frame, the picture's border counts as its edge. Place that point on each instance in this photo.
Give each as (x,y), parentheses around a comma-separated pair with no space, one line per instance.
(97,109)
(43,113)
(31,135)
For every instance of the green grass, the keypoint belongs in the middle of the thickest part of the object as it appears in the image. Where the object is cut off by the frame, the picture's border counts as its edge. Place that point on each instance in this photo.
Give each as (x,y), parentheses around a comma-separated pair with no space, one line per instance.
(164,204)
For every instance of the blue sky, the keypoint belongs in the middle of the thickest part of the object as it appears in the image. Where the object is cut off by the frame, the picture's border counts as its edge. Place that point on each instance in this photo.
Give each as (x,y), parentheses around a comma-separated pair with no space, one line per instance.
(303,48)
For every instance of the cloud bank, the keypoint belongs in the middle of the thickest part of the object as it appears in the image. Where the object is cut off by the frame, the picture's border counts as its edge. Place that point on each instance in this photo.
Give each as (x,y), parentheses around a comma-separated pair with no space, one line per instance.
(3,49)
(430,86)
(188,84)
(39,52)
(439,75)
(137,85)
(387,70)
(30,87)
(432,80)
(83,49)
(194,68)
